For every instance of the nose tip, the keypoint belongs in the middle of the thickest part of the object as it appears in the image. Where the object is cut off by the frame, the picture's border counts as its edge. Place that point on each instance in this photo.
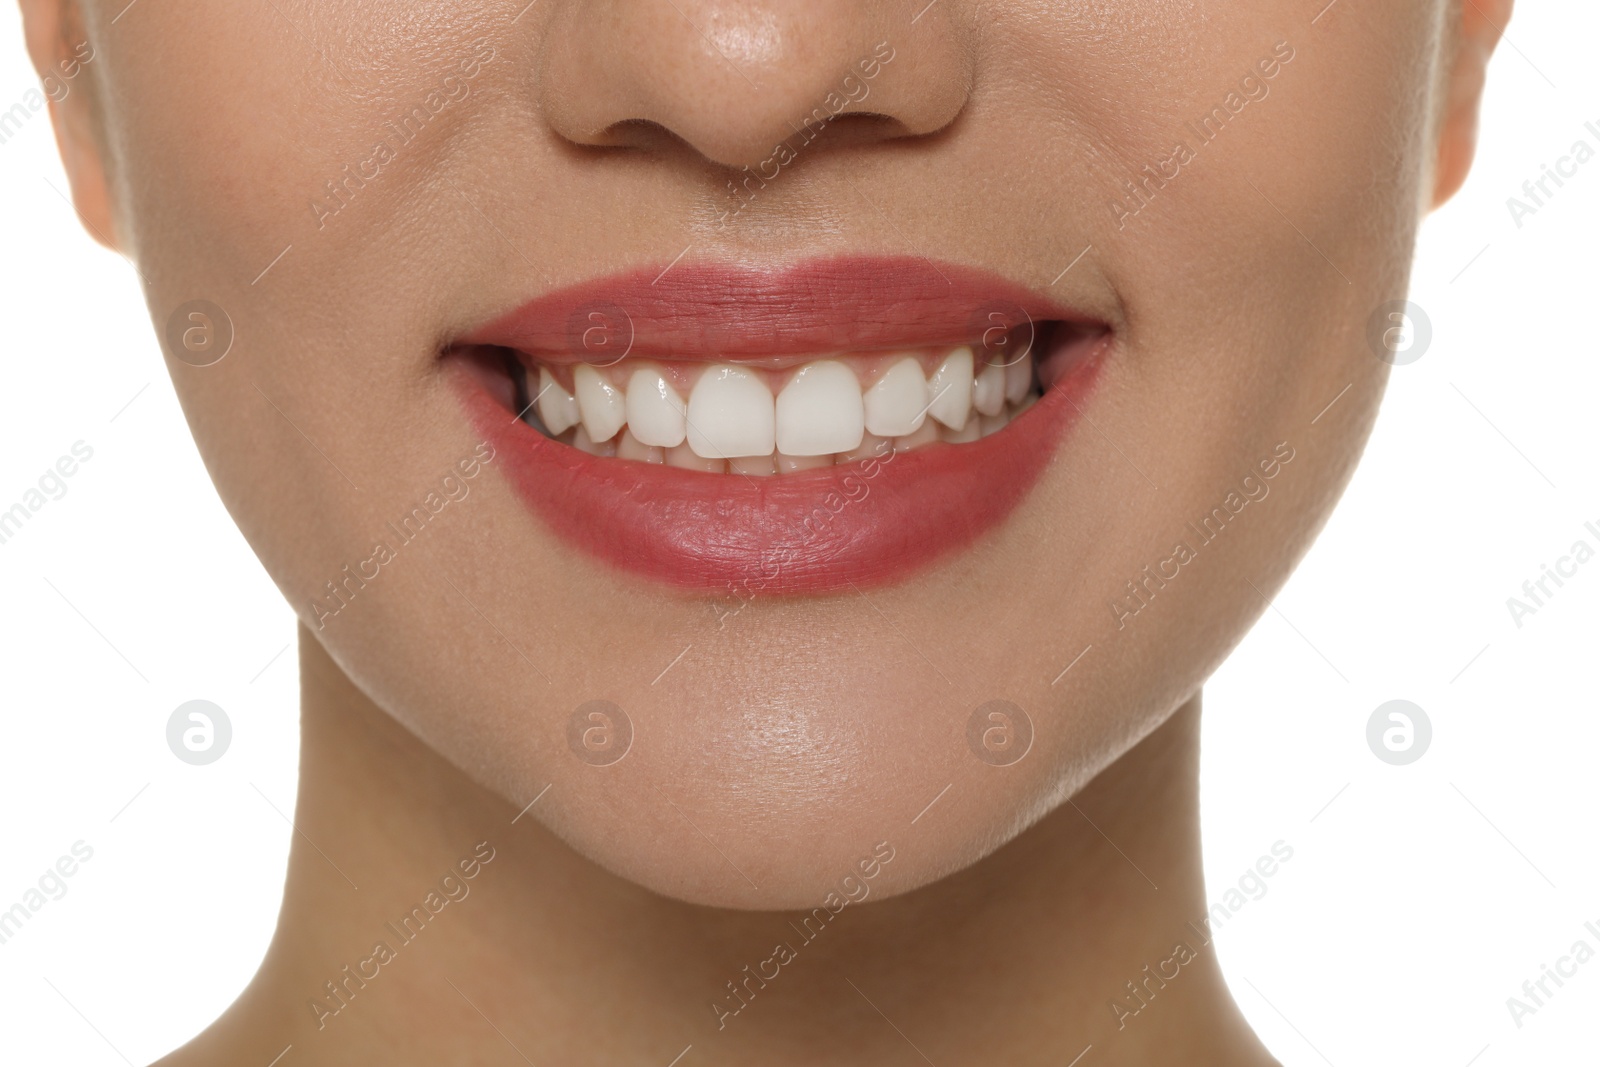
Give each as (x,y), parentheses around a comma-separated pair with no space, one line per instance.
(735,80)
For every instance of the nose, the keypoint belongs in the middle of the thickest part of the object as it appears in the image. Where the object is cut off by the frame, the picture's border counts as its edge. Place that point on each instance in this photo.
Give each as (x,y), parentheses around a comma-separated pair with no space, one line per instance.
(735,79)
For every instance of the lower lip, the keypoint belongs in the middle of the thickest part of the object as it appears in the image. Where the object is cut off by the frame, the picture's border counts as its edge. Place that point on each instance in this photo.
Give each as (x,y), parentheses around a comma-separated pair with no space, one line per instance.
(859,525)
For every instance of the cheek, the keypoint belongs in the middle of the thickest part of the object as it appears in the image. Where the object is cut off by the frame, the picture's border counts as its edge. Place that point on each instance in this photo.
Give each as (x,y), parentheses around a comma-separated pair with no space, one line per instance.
(226,194)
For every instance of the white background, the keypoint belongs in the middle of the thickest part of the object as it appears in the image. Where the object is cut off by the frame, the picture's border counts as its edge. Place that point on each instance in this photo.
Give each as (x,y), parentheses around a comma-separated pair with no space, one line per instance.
(1418,899)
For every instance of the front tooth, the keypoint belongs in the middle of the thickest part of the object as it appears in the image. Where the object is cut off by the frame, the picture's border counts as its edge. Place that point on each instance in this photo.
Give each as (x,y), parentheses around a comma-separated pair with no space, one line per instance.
(630,447)
(584,443)
(790,464)
(967,434)
(600,403)
(897,402)
(654,409)
(731,413)
(950,389)
(760,465)
(871,447)
(926,434)
(820,411)
(1019,378)
(558,409)
(992,424)
(683,457)
(989,390)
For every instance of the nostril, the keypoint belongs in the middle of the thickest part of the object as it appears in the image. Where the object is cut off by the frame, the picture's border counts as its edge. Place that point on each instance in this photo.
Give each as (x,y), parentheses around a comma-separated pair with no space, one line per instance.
(810,134)
(862,127)
(643,134)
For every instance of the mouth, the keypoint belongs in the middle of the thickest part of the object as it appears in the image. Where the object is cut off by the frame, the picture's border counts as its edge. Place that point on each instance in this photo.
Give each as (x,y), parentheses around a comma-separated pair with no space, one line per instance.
(840,423)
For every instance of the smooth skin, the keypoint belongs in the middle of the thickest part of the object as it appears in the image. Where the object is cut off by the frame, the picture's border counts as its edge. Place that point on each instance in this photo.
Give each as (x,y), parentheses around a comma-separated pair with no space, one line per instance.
(793,738)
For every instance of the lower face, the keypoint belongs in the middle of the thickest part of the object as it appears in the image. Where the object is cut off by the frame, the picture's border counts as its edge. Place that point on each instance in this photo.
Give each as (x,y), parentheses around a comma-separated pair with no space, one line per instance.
(1038,428)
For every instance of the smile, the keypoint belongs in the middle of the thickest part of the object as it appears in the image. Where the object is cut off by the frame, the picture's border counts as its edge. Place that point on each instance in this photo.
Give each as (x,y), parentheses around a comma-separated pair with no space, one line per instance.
(731,418)
(841,423)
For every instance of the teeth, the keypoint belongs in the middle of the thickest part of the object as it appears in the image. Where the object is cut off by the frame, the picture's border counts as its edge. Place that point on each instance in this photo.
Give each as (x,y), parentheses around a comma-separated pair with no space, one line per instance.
(926,434)
(950,389)
(967,434)
(630,447)
(731,413)
(683,456)
(558,409)
(897,403)
(820,411)
(1019,379)
(871,445)
(752,465)
(989,390)
(600,403)
(655,410)
(731,421)
(584,443)
(790,464)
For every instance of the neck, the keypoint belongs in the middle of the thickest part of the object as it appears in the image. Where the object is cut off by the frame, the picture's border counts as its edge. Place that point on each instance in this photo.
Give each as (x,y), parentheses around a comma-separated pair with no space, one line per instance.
(1056,942)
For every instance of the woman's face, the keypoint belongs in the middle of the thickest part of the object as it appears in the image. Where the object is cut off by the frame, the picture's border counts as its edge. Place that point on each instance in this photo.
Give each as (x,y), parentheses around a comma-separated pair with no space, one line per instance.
(1194,212)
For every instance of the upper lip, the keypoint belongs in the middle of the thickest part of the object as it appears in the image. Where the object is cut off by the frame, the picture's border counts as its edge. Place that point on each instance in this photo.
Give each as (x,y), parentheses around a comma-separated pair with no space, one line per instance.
(723,311)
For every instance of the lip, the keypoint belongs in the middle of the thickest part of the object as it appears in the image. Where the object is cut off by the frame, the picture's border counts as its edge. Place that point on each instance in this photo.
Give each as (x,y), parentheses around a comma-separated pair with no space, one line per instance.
(739,313)
(857,525)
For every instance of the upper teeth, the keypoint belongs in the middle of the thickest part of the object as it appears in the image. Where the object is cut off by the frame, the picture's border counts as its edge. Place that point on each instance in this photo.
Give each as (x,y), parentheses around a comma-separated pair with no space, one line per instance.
(950,389)
(600,404)
(898,402)
(731,414)
(655,410)
(638,410)
(820,411)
